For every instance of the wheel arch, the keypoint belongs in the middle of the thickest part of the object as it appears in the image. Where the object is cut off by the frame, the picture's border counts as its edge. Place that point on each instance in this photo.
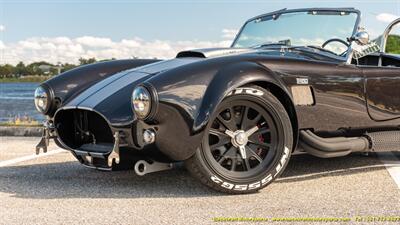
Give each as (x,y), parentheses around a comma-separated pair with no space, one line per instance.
(245,74)
(286,101)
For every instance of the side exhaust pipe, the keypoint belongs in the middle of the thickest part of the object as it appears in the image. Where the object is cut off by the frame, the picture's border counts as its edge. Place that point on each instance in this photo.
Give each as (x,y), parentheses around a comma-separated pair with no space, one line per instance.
(332,147)
(341,146)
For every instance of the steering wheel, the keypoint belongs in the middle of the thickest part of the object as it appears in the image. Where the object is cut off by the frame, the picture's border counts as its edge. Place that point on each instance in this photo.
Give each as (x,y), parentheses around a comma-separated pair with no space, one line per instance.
(336,40)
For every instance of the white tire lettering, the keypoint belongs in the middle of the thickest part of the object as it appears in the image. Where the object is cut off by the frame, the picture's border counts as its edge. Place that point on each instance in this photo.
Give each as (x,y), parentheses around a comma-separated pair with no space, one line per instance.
(250,91)
(216,179)
(242,187)
(254,185)
(266,179)
(227,185)
(282,161)
(278,168)
(238,91)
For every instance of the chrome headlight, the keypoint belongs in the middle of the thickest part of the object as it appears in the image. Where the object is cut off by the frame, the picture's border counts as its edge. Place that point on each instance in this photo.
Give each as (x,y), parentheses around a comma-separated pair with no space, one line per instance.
(42,101)
(141,100)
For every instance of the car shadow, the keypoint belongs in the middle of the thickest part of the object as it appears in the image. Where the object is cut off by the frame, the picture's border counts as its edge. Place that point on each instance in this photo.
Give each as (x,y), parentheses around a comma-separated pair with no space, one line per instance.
(307,167)
(71,180)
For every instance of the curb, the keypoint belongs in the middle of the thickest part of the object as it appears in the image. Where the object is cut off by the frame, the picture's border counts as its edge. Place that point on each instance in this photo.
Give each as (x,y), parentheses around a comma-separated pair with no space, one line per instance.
(21,131)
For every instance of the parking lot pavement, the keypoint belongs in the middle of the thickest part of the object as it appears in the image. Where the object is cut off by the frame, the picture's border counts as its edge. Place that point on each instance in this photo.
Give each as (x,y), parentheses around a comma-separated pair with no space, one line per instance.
(55,189)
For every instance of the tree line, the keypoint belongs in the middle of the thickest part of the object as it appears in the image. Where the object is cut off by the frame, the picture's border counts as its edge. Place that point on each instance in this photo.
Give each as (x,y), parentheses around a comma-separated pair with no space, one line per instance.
(41,68)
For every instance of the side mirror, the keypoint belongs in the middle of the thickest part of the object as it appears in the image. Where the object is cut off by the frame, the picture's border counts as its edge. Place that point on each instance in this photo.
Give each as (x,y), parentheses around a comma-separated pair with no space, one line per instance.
(362,38)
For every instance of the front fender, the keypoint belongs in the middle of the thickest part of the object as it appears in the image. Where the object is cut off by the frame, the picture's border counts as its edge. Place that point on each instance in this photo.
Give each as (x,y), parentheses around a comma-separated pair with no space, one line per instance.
(188,97)
(228,79)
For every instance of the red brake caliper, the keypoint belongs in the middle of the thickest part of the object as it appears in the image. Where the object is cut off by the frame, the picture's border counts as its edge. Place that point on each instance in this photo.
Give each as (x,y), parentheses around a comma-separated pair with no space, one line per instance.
(260,139)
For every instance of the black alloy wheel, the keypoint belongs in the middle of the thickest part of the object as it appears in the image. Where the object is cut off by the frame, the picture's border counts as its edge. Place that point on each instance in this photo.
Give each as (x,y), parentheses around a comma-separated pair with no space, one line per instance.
(247,143)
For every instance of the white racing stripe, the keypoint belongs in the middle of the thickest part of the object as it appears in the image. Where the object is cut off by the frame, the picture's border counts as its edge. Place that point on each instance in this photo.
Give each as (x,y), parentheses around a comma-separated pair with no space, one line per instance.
(29,157)
(392,164)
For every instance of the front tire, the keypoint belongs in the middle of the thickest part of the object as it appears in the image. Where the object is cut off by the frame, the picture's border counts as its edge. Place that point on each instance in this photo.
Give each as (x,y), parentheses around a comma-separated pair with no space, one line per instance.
(247,143)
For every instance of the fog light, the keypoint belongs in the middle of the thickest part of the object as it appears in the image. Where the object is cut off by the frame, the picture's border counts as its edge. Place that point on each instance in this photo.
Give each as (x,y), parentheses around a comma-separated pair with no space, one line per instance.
(149,136)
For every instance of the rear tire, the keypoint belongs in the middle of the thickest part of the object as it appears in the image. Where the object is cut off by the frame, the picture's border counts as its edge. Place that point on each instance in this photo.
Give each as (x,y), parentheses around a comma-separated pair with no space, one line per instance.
(219,163)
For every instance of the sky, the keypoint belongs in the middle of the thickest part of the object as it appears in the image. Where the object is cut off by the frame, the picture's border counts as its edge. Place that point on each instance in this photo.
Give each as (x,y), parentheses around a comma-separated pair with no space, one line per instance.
(65,30)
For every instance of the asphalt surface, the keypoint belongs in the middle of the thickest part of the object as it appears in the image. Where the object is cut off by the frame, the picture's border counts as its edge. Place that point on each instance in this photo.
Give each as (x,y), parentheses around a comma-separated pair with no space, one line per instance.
(56,189)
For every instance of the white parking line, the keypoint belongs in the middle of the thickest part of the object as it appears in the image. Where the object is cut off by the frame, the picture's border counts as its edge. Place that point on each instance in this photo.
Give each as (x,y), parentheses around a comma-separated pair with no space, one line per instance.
(29,157)
(392,164)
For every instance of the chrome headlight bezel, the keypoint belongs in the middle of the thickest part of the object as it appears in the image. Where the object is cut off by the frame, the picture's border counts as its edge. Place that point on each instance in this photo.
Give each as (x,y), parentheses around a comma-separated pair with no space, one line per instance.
(143,102)
(42,99)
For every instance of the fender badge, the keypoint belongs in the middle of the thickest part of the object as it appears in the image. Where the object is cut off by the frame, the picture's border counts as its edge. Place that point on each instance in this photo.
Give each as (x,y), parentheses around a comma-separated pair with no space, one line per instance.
(302,80)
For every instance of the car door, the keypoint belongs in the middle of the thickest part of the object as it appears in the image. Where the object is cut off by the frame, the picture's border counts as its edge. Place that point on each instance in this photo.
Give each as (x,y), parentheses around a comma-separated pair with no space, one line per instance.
(382,81)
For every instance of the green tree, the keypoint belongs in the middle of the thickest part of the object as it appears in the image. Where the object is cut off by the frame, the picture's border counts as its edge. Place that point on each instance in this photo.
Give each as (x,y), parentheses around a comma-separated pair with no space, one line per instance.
(6,70)
(83,61)
(34,68)
(20,69)
(393,44)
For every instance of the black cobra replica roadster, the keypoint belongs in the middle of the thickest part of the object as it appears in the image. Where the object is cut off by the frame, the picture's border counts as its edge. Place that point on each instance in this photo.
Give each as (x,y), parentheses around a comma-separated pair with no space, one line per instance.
(304,80)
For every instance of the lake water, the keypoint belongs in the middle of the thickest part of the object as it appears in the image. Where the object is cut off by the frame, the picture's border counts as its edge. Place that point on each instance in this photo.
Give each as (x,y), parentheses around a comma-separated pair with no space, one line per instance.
(16,99)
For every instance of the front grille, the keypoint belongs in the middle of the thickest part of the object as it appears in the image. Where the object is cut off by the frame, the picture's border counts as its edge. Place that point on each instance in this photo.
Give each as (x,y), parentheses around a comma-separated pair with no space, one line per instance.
(84,130)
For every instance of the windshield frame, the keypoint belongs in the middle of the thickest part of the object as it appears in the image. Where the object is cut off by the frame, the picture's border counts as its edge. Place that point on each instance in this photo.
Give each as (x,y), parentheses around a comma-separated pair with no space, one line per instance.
(284,11)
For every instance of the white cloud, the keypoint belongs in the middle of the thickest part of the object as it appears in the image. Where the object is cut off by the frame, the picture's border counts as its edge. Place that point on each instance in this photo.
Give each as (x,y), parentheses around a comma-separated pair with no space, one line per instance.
(95,42)
(28,44)
(2,45)
(386,17)
(69,50)
(2,28)
(229,33)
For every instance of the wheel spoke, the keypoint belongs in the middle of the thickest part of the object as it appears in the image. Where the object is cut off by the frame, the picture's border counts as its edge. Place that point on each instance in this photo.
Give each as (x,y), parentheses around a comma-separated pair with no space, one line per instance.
(236,117)
(223,139)
(234,162)
(252,153)
(220,143)
(218,133)
(247,163)
(262,130)
(244,120)
(229,153)
(228,124)
(249,123)
(257,118)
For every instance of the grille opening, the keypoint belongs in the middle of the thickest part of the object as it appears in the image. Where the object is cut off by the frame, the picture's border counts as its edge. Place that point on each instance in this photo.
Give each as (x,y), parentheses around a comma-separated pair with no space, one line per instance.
(84,130)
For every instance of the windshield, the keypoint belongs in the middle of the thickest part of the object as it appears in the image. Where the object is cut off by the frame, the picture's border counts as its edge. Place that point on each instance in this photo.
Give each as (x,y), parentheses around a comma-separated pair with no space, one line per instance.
(309,28)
